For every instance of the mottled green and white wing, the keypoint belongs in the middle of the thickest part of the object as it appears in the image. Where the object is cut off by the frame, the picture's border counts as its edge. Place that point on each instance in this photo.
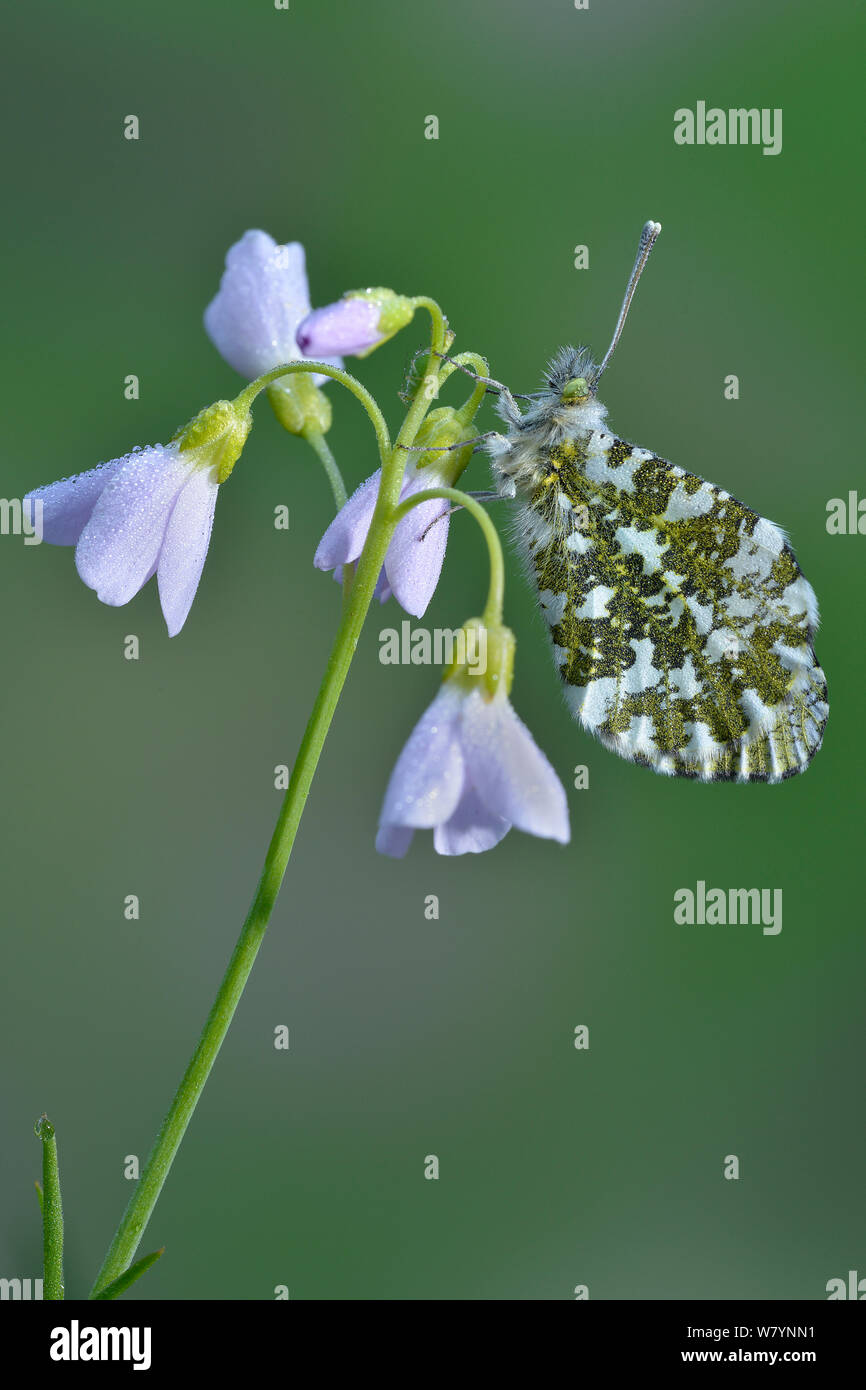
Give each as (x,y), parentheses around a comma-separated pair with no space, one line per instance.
(681,622)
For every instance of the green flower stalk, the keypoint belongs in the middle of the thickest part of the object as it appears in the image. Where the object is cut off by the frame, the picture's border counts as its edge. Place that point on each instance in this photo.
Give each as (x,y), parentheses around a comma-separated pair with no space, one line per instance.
(123,1247)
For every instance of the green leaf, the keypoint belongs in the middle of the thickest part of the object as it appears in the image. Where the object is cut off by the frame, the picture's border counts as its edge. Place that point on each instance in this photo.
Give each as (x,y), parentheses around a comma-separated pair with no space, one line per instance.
(129,1276)
(39,1197)
(52,1213)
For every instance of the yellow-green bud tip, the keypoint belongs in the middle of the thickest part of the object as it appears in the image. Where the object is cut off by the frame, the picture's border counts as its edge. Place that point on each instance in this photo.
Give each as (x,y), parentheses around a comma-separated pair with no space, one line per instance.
(219,432)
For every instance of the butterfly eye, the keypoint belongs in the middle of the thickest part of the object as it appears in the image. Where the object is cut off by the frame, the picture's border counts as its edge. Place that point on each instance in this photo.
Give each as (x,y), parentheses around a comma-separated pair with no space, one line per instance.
(576,391)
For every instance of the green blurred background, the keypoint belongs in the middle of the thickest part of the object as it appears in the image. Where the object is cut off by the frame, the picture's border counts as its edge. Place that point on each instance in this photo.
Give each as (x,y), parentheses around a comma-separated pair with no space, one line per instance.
(411,1037)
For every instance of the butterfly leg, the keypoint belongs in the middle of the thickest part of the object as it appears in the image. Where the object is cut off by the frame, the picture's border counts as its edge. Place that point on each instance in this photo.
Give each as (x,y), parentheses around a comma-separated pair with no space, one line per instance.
(510,409)
(476,440)
(449,511)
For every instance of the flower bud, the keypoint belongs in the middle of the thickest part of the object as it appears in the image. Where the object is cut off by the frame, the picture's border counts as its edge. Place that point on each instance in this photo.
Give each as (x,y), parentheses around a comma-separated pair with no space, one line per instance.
(441,430)
(356,324)
(221,430)
(497,645)
(299,405)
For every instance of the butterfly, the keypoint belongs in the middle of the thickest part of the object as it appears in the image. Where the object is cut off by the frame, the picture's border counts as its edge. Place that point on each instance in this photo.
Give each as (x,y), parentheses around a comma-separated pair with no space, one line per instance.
(682,625)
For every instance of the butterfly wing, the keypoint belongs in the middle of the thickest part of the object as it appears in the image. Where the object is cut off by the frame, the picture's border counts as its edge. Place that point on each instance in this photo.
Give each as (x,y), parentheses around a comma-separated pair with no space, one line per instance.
(682,624)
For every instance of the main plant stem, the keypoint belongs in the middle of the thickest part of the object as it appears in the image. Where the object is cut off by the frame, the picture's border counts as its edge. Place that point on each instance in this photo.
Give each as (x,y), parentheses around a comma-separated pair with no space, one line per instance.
(144,1199)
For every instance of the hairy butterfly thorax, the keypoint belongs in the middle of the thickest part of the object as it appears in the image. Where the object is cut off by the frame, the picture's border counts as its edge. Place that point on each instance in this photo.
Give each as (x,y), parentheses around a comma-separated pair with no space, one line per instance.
(681,623)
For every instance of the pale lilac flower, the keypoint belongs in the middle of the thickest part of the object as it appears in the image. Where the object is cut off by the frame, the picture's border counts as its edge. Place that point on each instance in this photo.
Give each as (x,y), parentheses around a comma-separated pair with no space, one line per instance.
(148,513)
(350,326)
(263,297)
(413,561)
(470,771)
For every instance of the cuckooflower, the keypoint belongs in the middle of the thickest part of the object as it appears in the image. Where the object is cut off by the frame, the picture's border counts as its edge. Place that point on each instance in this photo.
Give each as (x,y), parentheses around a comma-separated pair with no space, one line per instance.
(470,771)
(414,558)
(263,296)
(150,512)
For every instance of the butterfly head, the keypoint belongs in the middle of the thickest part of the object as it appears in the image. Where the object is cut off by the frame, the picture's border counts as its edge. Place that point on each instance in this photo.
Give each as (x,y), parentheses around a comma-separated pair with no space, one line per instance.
(570,377)
(567,398)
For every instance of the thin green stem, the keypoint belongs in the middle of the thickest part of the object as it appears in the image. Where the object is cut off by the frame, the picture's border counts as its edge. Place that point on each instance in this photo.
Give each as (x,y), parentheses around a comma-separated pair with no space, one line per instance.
(496,592)
(355,608)
(52,1214)
(317,441)
(428,387)
(440,326)
(246,397)
(470,407)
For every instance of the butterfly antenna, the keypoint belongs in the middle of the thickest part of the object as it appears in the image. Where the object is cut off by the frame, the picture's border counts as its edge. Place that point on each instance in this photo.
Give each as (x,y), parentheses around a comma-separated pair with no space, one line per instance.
(648,239)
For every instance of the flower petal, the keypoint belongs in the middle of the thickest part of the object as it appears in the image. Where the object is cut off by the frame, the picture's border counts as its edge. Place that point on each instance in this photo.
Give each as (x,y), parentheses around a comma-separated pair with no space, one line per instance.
(121,542)
(472,829)
(344,539)
(67,506)
(427,780)
(383,590)
(508,770)
(413,563)
(394,840)
(184,547)
(349,326)
(263,296)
